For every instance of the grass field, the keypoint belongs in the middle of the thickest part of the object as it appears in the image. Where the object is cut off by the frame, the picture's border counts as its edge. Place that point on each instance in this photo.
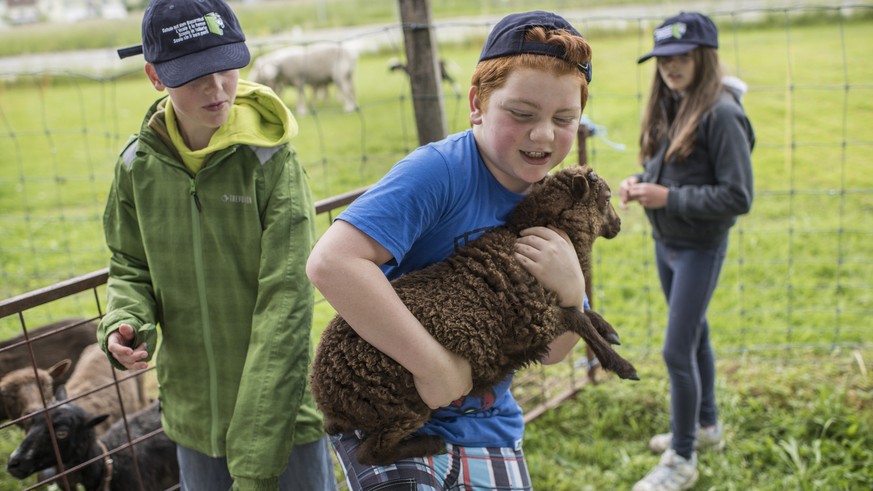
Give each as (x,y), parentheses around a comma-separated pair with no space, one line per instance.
(790,317)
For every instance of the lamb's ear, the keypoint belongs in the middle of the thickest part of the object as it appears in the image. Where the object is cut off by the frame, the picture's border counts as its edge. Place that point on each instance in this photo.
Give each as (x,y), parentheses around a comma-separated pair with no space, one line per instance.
(96,420)
(59,368)
(581,186)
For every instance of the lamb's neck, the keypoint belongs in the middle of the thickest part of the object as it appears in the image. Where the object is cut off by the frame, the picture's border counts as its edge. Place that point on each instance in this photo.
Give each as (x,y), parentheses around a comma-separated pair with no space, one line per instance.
(516,227)
(583,252)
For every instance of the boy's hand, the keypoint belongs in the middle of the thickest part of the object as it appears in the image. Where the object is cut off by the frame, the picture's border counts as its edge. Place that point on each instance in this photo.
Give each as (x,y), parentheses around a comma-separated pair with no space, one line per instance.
(549,255)
(118,343)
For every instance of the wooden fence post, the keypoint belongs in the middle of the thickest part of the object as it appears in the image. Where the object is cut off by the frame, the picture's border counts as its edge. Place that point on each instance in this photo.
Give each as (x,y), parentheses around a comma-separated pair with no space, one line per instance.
(422,62)
(582,134)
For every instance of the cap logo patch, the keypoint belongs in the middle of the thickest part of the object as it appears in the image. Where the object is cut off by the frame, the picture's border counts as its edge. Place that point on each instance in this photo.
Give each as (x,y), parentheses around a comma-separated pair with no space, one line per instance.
(214,23)
(196,27)
(676,30)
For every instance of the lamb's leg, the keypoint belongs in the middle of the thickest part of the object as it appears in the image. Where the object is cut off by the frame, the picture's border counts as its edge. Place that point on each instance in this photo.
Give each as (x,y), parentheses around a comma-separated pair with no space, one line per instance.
(394,444)
(609,359)
(334,425)
(604,328)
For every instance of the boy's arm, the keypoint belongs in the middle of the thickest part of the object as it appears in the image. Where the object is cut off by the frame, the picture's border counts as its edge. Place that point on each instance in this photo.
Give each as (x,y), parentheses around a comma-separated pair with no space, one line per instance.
(130,296)
(261,432)
(344,265)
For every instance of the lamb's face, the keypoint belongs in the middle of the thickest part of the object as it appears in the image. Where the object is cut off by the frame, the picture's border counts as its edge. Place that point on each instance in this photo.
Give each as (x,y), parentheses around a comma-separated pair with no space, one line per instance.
(575,200)
(610,222)
(582,200)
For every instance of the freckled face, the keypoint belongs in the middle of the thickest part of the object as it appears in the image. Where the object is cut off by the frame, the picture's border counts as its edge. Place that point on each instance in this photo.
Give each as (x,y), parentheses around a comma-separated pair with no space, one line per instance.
(677,71)
(528,126)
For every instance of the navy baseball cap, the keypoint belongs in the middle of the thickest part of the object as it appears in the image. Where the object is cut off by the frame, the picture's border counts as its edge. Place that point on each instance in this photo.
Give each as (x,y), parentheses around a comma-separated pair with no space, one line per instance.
(187,39)
(682,33)
(507,37)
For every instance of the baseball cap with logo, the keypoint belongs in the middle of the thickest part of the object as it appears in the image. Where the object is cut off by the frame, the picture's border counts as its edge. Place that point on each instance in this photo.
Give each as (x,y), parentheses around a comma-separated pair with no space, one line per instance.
(187,39)
(682,33)
(507,37)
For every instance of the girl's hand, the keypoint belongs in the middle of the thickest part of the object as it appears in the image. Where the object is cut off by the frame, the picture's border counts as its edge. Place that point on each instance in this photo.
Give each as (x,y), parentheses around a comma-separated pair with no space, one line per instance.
(549,255)
(118,344)
(624,190)
(652,196)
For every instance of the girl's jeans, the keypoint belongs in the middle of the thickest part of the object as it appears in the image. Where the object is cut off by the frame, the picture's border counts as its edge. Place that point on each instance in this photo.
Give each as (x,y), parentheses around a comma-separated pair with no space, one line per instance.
(688,278)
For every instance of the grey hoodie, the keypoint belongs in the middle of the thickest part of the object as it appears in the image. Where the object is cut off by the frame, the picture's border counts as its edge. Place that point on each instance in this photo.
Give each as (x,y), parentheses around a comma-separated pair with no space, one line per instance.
(710,188)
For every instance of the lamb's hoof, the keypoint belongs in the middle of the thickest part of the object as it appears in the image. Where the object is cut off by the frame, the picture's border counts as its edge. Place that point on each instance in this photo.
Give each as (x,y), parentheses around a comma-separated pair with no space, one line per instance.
(613,339)
(628,375)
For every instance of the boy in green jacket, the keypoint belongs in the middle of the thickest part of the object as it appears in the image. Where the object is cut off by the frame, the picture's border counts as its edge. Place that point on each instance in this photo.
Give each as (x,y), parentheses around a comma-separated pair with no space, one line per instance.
(210,221)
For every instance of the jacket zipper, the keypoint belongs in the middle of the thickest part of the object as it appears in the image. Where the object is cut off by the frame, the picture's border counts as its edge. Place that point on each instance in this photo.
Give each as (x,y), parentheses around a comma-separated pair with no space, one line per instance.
(196,210)
(193,191)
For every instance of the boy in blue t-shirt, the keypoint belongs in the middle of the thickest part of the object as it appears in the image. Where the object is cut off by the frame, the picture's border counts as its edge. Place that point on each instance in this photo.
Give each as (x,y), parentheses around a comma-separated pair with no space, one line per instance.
(527,95)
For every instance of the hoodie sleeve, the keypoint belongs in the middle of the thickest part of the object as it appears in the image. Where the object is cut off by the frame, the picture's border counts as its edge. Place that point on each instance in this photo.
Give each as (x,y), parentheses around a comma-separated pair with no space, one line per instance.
(130,297)
(261,432)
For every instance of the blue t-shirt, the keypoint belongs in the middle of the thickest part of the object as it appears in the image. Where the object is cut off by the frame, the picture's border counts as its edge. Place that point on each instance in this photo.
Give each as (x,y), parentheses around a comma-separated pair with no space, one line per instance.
(433,201)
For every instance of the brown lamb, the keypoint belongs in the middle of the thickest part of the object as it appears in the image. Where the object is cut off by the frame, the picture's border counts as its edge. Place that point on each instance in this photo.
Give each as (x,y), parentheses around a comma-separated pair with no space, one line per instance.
(479,303)
(22,393)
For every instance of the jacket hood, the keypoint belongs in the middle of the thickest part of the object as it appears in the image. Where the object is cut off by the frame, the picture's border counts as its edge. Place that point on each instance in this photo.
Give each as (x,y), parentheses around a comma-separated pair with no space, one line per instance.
(258,118)
(736,87)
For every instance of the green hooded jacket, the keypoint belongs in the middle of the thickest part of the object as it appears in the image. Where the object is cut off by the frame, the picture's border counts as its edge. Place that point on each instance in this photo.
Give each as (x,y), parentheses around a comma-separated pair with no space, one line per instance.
(217,260)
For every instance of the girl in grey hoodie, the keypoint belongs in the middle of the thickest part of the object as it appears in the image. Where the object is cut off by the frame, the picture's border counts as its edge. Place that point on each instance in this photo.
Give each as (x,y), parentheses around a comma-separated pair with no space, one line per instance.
(695,150)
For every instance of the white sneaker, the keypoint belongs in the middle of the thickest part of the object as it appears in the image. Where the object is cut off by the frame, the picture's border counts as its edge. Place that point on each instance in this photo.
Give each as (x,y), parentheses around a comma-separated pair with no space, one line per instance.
(673,473)
(707,439)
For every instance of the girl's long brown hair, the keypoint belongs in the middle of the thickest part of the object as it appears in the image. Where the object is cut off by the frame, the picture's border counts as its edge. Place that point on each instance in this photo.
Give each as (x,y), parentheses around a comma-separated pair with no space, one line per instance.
(699,98)
(490,75)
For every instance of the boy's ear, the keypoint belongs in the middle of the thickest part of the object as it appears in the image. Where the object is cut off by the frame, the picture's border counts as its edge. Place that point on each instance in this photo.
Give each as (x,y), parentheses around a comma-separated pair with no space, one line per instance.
(475,107)
(153,77)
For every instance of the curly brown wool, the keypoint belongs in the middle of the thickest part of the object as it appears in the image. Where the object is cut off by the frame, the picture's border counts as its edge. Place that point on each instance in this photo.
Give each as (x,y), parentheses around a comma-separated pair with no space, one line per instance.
(479,303)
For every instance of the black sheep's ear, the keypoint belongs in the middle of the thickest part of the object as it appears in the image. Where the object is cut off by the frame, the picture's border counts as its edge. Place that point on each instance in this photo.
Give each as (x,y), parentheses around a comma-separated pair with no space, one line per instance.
(96,420)
(61,393)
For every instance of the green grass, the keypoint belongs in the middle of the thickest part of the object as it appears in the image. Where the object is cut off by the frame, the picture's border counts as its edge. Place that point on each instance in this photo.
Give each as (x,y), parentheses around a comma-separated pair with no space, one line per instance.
(797,426)
(797,274)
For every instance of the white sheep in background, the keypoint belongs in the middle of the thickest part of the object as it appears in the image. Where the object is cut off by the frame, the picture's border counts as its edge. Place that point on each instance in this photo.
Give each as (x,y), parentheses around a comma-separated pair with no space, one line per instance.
(445,74)
(316,65)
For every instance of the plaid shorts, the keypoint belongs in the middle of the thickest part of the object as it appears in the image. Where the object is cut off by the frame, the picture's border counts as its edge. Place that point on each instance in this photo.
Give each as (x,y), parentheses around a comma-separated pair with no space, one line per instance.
(459,469)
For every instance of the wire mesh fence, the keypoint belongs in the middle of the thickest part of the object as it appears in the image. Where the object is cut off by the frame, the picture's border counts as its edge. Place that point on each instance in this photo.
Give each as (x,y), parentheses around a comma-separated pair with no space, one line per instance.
(798,274)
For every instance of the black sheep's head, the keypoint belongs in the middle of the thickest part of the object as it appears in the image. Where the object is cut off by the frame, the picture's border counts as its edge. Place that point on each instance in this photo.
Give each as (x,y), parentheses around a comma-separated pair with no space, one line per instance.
(74,431)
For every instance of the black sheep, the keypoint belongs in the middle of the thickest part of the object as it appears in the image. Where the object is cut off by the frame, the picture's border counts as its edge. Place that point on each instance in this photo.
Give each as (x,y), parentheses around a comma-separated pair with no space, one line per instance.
(78,443)
(358,387)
